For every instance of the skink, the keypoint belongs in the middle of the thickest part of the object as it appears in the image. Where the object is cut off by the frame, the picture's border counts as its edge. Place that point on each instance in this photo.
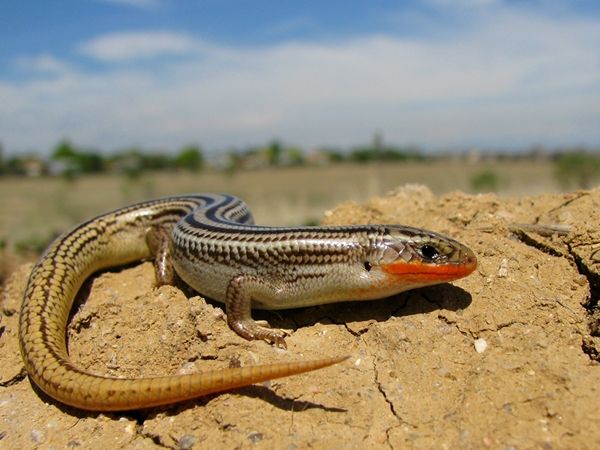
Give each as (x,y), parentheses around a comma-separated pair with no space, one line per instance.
(211,242)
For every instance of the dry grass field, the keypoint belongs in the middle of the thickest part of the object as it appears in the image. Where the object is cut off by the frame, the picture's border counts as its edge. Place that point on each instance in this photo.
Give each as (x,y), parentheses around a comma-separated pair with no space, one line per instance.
(33,210)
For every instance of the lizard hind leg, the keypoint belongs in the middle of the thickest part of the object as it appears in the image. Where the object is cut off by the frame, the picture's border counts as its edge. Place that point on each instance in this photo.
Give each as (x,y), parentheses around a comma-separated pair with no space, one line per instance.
(157,239)
(238,304)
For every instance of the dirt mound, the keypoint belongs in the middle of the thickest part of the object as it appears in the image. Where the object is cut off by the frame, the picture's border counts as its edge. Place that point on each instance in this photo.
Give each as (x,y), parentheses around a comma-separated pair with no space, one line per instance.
(504,358)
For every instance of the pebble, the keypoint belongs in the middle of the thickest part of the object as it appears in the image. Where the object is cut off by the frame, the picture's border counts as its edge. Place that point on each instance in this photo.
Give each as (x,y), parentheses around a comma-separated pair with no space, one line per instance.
(480,345)
(187,441)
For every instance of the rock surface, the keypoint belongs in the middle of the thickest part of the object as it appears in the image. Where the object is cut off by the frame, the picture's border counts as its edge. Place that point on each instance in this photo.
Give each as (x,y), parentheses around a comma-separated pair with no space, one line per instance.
(506,358)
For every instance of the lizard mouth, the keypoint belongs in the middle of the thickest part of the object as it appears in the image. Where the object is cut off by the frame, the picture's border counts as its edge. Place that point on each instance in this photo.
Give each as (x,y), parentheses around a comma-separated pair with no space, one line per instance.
(421,271)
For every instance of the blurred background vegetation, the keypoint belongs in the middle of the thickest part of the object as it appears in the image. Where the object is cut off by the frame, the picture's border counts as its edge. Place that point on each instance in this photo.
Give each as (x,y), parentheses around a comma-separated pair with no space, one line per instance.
(574,168)
(283,184)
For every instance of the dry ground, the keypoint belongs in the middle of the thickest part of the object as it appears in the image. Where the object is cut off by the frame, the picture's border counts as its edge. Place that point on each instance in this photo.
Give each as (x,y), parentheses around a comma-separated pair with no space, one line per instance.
(502,359)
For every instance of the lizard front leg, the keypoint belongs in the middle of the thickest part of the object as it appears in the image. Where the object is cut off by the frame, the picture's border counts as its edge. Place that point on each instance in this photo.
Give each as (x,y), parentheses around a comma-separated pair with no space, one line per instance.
(238,303)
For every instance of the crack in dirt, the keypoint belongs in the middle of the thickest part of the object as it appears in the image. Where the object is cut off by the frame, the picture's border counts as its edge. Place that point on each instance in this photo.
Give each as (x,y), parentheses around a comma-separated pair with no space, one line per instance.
(349,330)
(453,323)
(388,401)
(358,333)
(530,241)
(15,379)
(589,346)
(576,197)
(155,438)
(385,397)
(510,323)
(592,278)
(475,334)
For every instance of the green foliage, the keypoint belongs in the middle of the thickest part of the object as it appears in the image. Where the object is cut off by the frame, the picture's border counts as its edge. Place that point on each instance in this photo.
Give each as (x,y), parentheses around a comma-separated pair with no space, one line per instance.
(311,223)
(128,162)
(35,245)
(367,154)
(73,161)
(579,169)
(155,161)
(64,151)
(273,152)
(485,181)
(134,161)
(234,164)
(14,166)
(334,156)
(293,157)
(190,158)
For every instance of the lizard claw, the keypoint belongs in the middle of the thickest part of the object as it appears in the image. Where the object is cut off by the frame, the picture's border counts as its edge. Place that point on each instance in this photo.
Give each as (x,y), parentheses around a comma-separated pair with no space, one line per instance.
(253,330)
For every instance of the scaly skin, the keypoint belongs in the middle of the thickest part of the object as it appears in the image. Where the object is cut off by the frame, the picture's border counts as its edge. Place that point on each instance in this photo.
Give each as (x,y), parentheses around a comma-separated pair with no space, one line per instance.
(211,243)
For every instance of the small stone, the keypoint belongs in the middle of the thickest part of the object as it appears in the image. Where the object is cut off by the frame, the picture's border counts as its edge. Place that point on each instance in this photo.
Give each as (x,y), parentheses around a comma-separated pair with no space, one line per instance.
(503,269)
(187,441)
(480,345)
(255,437)
(37,436)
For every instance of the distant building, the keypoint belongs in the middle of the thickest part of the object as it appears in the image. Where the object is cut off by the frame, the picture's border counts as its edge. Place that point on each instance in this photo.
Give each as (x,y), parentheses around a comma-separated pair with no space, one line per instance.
(33,166)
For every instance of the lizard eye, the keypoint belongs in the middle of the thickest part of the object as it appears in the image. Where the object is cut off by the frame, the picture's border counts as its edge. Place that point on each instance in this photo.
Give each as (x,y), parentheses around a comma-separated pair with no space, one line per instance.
(429,252)
(368,266)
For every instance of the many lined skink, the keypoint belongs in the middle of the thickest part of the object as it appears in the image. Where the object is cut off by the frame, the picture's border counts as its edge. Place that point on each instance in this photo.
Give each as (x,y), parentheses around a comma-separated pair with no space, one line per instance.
(211,242)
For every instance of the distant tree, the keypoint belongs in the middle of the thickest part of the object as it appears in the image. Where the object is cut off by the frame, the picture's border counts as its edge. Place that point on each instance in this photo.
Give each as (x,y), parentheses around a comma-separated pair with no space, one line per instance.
(294,156)
(64,150)
(2,162)
(155,161)
(76,161)
(128,161)
(377,153)
(334,155)
(91,162)
(66,156)
(14,166)
(362,155)
(273,152)
(234,162)
(190,158)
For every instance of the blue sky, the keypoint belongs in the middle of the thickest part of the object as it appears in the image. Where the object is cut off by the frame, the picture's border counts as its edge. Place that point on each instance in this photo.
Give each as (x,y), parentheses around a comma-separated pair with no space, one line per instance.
(440,74)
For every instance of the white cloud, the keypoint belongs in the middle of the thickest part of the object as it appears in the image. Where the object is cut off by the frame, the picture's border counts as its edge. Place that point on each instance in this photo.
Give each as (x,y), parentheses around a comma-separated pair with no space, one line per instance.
(44,63)
(513,80)
(130,46)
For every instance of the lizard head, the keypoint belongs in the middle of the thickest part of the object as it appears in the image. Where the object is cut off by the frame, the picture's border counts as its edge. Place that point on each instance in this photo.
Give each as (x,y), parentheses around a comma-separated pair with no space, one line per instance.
(406,258)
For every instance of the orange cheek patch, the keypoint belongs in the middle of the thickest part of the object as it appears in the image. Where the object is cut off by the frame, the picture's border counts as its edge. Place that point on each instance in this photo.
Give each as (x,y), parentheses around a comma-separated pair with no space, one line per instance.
(421,272)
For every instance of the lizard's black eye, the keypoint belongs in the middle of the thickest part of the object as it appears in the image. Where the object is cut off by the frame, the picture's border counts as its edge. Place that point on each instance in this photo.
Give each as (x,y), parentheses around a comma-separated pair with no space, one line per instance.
(429,252)
(368,266)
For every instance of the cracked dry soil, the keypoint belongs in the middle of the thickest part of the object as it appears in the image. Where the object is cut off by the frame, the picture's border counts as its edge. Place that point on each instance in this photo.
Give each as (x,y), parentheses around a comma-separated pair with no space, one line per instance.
(415,378)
